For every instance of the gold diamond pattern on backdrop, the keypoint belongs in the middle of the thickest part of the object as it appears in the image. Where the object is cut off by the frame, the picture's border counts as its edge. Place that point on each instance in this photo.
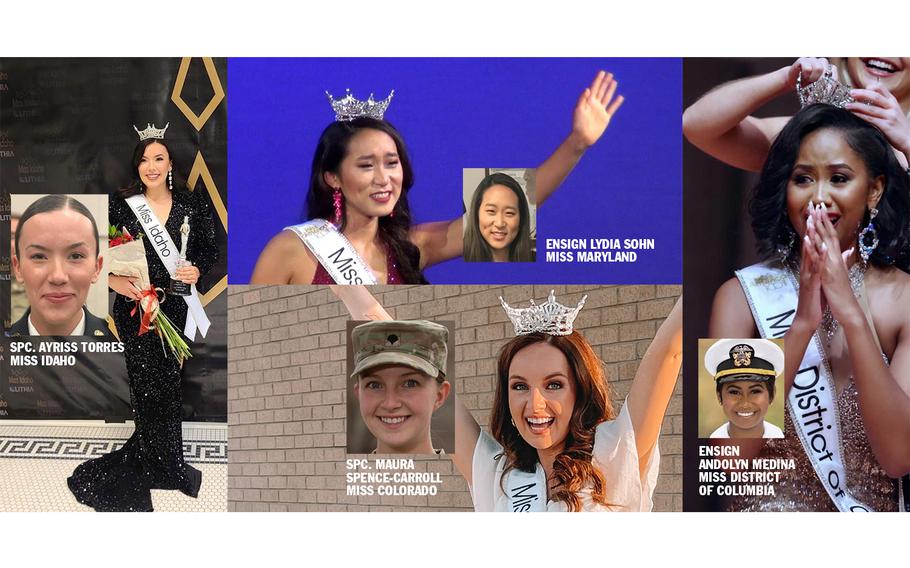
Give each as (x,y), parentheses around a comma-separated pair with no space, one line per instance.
(200,170)
(198,121)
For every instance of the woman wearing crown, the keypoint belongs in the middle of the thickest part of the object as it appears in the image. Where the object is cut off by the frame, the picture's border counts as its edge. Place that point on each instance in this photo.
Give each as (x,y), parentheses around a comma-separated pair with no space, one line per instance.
(830,215)
(721,123)
(172,220)
(360,229)
(555,442)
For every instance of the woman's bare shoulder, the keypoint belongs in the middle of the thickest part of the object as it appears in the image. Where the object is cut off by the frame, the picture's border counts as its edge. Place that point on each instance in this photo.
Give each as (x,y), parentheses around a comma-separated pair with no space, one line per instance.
(730,313)
(284,260)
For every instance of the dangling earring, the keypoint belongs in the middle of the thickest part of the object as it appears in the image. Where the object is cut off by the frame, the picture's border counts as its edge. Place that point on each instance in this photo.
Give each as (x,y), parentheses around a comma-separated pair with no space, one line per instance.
(868,237)
(784,250)
(337,201)
(392,214)
(170,180)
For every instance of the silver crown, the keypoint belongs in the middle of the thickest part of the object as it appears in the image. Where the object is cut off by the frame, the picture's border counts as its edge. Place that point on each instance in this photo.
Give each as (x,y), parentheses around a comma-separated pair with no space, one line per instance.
(551,317)
(348,108)
(826,90)
(151,132)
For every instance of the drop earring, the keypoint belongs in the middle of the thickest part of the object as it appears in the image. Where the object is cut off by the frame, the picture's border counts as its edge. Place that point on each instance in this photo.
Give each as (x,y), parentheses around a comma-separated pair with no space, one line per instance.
(170,180)
(337,201)
(784,250)
(868,237)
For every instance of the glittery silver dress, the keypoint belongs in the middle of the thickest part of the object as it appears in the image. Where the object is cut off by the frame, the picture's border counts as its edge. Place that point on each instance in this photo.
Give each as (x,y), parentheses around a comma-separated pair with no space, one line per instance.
(153,456)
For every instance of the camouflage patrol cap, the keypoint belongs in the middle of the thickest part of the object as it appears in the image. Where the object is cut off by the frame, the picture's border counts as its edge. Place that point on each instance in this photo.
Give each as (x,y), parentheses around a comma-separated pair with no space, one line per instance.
(419,344)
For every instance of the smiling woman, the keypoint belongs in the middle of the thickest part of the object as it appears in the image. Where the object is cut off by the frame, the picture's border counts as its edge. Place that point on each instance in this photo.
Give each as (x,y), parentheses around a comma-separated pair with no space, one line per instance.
(400,371)
(830,214)
(498,225)
(360,229)
(57,259)
(744,372)
(554,442)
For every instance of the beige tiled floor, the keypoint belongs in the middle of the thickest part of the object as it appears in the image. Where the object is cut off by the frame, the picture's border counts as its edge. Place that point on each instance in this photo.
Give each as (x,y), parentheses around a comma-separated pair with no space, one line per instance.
(36,459)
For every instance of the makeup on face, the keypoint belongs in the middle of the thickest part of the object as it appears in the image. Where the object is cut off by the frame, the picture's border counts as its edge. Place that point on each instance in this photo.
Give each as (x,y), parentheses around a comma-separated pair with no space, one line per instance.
(541,395)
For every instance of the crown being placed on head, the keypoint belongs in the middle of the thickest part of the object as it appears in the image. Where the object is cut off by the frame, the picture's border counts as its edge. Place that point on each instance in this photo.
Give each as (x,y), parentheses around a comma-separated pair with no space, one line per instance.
(151,132)
(551,317)
(826,90)
(349,108)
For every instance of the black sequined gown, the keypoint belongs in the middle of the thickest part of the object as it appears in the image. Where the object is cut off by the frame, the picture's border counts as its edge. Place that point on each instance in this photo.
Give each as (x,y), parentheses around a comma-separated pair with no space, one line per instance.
(153,456)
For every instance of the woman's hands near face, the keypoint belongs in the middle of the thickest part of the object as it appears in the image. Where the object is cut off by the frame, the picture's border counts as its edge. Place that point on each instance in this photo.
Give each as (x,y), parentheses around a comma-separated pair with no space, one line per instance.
(809,308)
(595,107)
(831,262)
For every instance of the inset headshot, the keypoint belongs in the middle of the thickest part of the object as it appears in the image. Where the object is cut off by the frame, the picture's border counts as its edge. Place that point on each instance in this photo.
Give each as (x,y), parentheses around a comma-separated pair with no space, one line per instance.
(500,221)
(399,398)
(737,388)
(60,288)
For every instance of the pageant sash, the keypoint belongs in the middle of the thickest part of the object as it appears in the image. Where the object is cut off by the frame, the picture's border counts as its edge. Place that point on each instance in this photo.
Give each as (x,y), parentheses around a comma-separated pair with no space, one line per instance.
(334,252)
(161,241)
(772,295)
(527,492)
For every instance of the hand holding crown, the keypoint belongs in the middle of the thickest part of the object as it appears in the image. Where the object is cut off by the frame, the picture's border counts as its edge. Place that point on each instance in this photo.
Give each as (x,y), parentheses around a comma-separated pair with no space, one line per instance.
(810,69)
(595,107)
(876,105)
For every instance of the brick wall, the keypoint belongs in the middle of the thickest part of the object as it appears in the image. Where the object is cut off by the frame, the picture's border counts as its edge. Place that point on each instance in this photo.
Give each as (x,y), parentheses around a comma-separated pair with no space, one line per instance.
(286,384)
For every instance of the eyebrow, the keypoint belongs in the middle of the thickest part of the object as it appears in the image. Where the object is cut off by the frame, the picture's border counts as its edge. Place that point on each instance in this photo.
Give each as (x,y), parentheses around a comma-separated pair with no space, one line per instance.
(839,165)
(44,248)
(370,156)
(413,373)
(550,376)
(490,204)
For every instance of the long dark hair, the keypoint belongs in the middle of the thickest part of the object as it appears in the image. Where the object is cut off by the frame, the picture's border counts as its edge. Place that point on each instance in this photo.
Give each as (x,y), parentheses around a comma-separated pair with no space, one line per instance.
(573,468)
(135,187)
(394,230)
(476,248)
(768,208)
(56,202)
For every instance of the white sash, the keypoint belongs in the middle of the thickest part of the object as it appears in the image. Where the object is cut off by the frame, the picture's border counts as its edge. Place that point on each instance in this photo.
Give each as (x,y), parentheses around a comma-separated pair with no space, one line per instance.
(526,492)
(161,241)
(772,294)
(334,252)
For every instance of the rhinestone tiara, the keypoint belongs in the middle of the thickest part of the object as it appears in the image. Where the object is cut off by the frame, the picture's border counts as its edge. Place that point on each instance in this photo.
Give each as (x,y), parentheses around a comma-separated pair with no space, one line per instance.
(151,132)
(826,90)
(348,108)
(551,317)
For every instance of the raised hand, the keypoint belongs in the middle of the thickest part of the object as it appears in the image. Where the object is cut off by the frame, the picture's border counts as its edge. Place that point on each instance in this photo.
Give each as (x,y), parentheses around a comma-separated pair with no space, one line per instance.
(876,105)
(811,68)
(595,107)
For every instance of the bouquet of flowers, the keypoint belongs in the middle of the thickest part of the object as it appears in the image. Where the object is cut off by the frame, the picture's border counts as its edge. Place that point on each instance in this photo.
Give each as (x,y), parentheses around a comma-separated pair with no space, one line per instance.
(126,257)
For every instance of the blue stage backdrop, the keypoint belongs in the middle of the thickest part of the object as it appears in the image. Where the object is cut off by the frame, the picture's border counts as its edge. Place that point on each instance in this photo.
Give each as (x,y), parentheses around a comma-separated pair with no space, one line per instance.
(458,113)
